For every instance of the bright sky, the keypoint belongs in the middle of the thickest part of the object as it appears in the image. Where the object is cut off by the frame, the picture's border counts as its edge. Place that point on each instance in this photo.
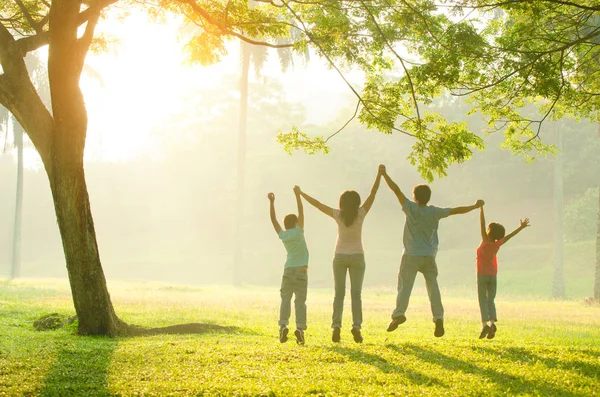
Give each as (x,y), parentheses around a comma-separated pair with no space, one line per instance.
(145,80)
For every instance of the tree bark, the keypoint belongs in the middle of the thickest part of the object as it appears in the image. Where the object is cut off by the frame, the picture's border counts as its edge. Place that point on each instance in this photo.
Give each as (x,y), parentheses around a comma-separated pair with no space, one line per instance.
(558,284)
(597,272)
(241,163)
(64,166)
(16,248)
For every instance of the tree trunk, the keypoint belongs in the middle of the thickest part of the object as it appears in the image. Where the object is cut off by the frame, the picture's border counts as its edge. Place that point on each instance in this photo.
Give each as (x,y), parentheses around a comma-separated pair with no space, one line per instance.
(558,284)
(16,248)
(64,165)
(597,272)
(241,163)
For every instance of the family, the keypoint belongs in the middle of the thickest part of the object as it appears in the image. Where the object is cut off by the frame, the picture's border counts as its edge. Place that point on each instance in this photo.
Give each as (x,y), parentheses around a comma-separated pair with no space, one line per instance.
(420,241)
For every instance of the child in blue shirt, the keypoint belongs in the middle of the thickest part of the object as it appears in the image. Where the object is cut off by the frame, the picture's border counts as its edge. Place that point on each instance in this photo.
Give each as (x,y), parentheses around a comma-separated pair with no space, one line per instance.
(295,270)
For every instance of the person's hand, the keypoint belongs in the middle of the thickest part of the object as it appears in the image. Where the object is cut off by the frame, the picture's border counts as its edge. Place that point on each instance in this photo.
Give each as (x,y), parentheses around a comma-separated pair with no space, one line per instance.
(524,223)
(480,203)
(297,190)
(271,197)
(382,169)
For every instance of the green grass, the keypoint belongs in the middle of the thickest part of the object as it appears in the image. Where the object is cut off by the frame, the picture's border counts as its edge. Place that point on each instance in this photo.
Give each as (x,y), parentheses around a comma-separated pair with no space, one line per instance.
(549,348)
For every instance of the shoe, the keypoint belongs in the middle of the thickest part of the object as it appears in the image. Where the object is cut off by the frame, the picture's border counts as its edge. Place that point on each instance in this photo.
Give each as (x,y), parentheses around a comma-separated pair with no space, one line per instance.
(299,336)
(283,334)
(485,331)
(335,335)
(396,321)
(492,332)
(439,328)
(357,336)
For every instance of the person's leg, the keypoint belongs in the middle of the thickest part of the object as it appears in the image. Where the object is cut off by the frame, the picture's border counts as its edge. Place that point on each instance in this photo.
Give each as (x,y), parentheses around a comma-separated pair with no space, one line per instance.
(492,306)
(356,269)
(406,281)
(482,296)
(339,279)
(428,267)
(300,291)
(285,307)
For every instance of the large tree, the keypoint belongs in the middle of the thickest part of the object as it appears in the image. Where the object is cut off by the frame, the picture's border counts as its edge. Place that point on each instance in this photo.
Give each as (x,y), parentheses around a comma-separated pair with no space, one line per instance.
(511,52)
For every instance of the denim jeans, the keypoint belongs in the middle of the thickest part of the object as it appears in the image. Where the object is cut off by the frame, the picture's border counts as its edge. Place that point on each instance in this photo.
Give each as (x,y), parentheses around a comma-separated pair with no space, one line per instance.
(354,264)
(486,292)
(410,265)
(293,282)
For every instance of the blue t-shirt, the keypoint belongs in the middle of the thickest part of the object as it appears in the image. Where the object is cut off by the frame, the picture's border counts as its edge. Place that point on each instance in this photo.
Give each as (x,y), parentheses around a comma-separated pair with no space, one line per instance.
(420,228)
(295,245)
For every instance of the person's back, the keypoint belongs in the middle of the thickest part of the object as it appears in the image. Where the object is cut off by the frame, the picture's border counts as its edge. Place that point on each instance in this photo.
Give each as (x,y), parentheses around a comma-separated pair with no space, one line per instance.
(349,240)
(420,229)
(295,245)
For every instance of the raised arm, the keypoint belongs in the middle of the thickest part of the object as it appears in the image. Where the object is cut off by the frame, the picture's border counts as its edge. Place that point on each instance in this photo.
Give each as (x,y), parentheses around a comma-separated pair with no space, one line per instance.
(523,225)
(321,207)
(484,236)
(276,225)
(464,210)
(300,207)
(369,201)
(401,197)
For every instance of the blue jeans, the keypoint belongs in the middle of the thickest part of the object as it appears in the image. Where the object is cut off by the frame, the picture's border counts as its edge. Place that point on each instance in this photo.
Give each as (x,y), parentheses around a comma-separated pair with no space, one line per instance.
(293,282)
(410,265)
(486,292)
(353,264)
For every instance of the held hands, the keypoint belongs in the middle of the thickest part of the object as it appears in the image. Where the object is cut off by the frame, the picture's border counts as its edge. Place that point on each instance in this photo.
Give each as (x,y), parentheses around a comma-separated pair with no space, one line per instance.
(271,197)
(480,203)
(297,190)
(381,171)
(524,223)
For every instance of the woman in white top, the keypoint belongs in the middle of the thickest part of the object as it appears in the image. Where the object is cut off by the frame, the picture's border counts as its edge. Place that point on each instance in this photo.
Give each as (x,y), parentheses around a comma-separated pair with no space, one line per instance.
(349,255)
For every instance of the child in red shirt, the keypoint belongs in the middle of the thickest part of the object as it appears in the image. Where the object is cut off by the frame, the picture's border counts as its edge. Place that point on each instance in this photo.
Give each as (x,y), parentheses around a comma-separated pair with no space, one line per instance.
(487,269)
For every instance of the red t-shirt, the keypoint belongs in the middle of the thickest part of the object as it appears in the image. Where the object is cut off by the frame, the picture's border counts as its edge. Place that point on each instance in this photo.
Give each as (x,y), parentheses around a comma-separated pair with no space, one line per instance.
(487,264)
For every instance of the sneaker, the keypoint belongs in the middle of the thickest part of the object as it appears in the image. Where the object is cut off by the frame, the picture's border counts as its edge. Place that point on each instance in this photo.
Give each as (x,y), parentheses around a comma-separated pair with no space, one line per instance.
(396,321)
(439,328)
(492,332)
(283,334)
(299,336)
(357,335)
(485,331)
(335,335)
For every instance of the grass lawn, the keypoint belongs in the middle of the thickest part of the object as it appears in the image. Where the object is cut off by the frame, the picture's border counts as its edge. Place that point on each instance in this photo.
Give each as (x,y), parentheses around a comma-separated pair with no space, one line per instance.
(542,347)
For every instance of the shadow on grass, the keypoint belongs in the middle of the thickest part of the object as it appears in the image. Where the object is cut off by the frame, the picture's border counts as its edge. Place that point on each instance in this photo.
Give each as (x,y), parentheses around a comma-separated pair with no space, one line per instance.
(81,368)
(517,384)
(384,366)
(180,329)
(521,355)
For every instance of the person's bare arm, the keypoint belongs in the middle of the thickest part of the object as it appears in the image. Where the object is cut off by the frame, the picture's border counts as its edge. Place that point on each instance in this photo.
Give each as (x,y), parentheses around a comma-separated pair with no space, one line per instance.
(315,203)
(484,236)
(276,225)
(300,207)
(464,210)
(401,197)
(369,201)
(523,225)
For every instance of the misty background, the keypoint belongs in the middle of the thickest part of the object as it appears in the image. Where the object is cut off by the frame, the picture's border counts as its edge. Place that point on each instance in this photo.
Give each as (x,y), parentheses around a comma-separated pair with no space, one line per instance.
(170,214)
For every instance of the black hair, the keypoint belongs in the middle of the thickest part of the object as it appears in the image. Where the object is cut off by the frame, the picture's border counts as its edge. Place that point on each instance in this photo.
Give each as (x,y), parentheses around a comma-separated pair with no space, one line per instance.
(349,204)
(497,231)
(422,194)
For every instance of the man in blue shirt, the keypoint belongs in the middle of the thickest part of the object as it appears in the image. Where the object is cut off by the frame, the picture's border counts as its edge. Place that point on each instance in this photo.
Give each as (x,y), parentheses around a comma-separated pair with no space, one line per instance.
(295,271)
(420,248)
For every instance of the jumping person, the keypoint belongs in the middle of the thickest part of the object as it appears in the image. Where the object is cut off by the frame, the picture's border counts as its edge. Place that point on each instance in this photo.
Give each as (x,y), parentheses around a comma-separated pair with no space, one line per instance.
(349,255)
(295,270)
(492,239)
(420,248)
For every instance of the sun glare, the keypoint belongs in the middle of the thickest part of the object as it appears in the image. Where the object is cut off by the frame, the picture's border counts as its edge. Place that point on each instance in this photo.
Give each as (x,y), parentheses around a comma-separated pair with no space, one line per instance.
(130,90)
